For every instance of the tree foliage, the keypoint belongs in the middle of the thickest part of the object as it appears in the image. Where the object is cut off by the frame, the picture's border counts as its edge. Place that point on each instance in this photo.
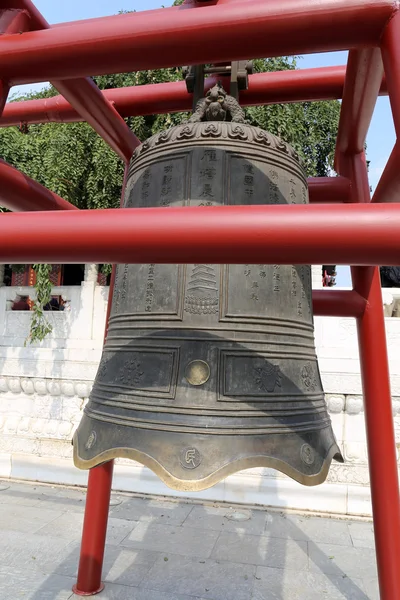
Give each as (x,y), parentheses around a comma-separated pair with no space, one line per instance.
(73,161)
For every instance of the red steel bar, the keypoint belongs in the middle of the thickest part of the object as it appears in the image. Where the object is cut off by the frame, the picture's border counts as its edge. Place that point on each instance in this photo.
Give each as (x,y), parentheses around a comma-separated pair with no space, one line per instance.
(325,83)
(11,21)
(285,234)
(338,303)
(88,101)
(327,190)
(150,40)
(388,188)
(391,60)
(18,192)
(94,530)
(362,84)
(97,501)
(378,404)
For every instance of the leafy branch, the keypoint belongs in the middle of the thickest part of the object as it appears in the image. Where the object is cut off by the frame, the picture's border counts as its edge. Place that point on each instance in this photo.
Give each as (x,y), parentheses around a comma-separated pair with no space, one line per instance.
(40,326)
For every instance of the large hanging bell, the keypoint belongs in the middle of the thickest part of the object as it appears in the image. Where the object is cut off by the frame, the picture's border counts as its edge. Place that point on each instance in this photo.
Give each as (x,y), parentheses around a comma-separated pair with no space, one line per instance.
(209,369)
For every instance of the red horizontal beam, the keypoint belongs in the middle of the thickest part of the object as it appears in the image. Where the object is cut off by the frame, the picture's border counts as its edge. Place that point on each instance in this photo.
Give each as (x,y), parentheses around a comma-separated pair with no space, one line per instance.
(338,303)
(90,104)
(286,234)
(329,190)
(151,40)
(18,192)
(302,85)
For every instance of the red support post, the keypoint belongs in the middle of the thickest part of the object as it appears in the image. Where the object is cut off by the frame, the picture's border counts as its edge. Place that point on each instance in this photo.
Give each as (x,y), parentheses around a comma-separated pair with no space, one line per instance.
(94,530)
(388,188)
(97,501)
(378,408)
(361,89)
(165,38)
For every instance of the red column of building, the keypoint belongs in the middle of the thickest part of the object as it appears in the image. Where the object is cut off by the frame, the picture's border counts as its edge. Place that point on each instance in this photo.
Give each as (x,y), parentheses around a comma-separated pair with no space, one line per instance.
(377,405)
(97,503)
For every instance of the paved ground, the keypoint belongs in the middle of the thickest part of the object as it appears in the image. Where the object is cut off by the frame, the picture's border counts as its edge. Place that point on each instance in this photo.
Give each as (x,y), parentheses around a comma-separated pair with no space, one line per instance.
(162,550)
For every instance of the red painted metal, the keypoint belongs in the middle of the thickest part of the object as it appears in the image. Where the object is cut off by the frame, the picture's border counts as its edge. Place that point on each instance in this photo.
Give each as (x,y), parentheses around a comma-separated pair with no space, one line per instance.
(94,530)
(338,303)
(11,21)
(388,188)
(87,99)
(362,84)
(391,61)
(286,234)
(18,192)
(149,40)
(378,404)
(328,190)
(99,491)
(324,83)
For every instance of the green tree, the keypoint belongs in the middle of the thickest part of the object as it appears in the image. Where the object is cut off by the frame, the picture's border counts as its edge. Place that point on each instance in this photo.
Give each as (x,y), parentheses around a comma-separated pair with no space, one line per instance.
(73,161)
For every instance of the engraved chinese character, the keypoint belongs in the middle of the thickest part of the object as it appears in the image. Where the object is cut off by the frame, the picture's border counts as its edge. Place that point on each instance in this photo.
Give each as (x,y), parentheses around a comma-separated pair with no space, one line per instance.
(249,192)
(144,194)
(147,174)
(254,297)
(247,271)
(165,190)
(207,191)
(168,169)
(209,155)
(145,185)
(249,179)
(254,284)
(206,203)
(166,179)
(263,273)
(277,288)
(249,169)
(208,173)
(273,174)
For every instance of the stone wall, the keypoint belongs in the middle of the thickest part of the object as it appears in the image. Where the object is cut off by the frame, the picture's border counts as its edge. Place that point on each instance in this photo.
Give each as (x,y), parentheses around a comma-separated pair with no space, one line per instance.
(43,390)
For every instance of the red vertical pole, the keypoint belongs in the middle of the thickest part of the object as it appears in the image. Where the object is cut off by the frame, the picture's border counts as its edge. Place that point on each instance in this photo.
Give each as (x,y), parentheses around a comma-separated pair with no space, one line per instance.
(97,503)
(377,405)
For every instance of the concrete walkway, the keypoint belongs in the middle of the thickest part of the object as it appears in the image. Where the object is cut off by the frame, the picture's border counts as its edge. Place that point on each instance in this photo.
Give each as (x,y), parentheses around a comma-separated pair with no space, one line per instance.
(165,550)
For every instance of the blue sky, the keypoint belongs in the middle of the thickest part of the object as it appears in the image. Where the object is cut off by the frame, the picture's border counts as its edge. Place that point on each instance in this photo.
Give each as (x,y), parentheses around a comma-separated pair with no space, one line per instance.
(381,136)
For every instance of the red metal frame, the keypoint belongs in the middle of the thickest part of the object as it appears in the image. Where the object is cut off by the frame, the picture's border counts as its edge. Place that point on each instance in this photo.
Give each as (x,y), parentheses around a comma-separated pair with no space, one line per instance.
(330,232)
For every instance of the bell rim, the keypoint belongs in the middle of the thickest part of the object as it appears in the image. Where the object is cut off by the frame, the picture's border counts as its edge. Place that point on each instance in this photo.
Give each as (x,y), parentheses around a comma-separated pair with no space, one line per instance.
(184,485)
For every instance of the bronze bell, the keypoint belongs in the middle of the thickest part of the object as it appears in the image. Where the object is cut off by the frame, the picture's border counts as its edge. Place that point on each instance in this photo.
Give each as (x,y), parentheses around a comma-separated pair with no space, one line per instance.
(210,369)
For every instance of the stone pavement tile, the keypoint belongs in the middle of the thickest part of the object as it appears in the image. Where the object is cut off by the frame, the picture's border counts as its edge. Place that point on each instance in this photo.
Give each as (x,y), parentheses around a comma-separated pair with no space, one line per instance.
(304,527)
(280,584)
(27,494)
(223,519)
(31,550)
(26,519)
(25,584)
(159,511)
(261,550)
(69,526)
(177,540)
(362,534)
(127,567)
(372,588)
(341,560)
(201,578)
(122,592)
